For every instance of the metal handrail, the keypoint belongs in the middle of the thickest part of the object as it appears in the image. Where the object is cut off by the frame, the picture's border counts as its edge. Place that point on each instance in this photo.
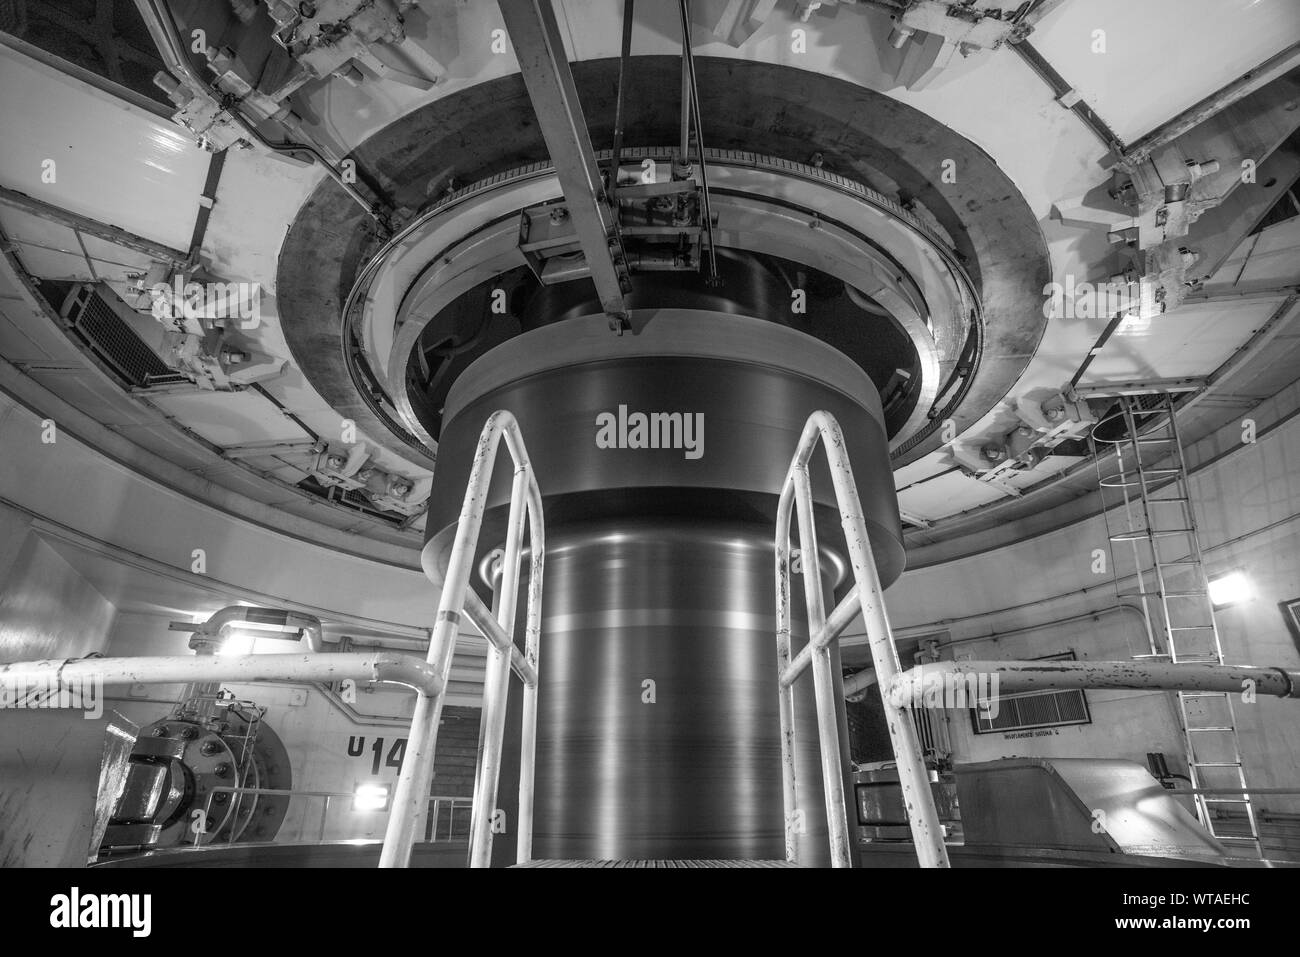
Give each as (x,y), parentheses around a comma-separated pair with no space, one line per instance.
(796,493)
(432,808)
(457,599)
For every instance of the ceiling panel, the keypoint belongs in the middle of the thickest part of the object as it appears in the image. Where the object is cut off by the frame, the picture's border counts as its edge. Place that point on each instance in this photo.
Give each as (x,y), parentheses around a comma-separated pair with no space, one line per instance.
(946,495)
(94,140)
(1194,340)
(230,418)
(1161,56)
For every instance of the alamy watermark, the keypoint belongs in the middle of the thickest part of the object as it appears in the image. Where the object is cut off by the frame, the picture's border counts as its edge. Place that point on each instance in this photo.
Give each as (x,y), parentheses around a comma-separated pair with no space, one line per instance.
(1098,300)
(73,910)
(35,692)
(651,430)
(940,688)
(208,300)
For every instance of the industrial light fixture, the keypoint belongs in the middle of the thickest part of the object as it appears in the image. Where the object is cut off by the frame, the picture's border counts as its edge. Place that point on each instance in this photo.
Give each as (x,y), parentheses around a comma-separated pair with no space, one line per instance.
(252,641)
(1230,589)
(238,642)
(370,797)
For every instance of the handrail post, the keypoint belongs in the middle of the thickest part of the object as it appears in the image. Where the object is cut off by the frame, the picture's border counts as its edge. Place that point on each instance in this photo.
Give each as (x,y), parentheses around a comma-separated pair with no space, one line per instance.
(417,767)
(923,819)
(789,773)
(823,676)
(496,684)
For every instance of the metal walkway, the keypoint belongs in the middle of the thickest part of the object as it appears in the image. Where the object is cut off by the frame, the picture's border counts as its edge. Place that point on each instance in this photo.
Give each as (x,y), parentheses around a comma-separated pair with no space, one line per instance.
(657,865)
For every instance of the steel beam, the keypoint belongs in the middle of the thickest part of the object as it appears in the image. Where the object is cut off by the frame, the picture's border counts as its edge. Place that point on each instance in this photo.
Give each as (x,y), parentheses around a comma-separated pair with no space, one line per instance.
(91,227)
(539,47)
(1196,114)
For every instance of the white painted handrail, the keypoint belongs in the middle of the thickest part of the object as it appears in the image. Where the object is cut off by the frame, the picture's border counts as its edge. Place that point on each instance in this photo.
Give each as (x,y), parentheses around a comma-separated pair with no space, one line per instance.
(417,766)
(796,494)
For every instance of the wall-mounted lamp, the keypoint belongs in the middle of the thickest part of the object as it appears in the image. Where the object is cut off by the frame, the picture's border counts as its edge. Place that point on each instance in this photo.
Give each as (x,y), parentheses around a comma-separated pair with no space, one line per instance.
(370,797)
(1230,589)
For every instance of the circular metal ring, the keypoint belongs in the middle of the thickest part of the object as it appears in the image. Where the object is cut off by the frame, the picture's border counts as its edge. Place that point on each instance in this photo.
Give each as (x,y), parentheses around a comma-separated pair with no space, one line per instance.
(433,260)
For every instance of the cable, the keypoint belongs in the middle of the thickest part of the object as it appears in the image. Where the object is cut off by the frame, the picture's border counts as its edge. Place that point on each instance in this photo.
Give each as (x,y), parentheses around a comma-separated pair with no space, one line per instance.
(689,60)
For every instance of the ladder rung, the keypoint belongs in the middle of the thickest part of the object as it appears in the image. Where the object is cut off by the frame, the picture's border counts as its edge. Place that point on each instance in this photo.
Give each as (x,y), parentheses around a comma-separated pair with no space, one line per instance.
(1228,728)
(1152,533)
(1191,627)
(1210,800)
(1239,840)
(1215,764)
(1181,561)
(1203,694)
(1108,481)
(1156,593)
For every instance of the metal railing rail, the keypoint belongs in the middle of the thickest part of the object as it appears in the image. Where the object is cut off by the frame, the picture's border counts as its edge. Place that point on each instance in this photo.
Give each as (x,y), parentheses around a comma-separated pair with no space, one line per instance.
(433,808)
(457,599)
(796,494)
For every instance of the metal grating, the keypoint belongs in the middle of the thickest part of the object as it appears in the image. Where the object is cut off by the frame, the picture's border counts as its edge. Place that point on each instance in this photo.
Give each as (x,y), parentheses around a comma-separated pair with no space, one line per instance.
(656,865)
(114,343)
(1047,709)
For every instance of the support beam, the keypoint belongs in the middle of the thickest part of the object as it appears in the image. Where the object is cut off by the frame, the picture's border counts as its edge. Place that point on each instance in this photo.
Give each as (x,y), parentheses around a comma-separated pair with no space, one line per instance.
(91,227)
(540,48)
(1196,114)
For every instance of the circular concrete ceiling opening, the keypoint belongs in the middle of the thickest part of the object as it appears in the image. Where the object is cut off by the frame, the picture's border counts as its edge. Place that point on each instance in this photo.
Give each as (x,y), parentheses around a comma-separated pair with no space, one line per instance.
(930,287)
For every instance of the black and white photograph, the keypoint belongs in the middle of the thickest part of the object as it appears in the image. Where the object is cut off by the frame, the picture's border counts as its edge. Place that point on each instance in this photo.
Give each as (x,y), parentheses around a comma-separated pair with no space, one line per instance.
(778,436)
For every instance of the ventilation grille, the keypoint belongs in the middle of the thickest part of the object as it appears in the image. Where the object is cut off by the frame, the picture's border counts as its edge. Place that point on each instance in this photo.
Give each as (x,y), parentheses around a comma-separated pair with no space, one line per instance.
(1038,709)
(114,343)
(1031,710)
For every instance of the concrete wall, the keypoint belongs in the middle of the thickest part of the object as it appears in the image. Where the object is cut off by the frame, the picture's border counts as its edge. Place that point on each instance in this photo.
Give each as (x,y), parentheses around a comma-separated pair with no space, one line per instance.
(47,610)
(49,758)
(1246,508)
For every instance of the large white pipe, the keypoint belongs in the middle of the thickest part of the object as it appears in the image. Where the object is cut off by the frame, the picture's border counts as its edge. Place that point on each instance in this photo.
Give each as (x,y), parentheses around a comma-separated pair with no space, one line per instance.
(912,686)
(57,673)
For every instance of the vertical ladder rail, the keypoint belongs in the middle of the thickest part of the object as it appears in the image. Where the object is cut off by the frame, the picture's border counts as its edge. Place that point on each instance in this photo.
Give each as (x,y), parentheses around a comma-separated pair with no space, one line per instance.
(1228,730)
(796,494)
(1202,643)
(1120,480)
(456,600)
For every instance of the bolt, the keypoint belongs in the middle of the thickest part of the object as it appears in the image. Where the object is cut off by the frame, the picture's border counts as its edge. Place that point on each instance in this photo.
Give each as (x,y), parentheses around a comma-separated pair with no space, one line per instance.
(222,770)
(189,733)
(210,748)
(221,797)
(559,215)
